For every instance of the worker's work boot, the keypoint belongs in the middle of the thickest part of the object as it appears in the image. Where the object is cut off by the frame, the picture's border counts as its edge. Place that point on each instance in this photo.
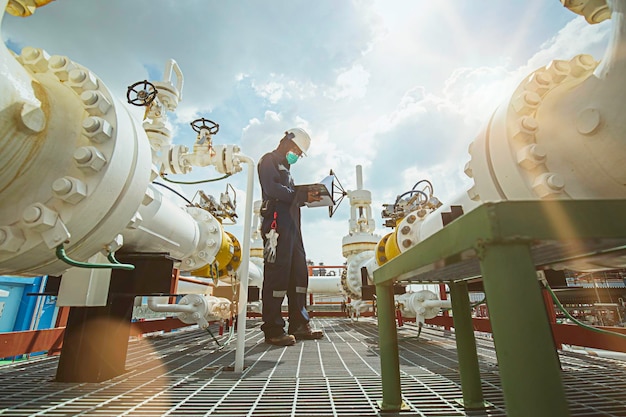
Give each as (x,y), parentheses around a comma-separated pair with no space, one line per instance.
(305,332)
(281,340)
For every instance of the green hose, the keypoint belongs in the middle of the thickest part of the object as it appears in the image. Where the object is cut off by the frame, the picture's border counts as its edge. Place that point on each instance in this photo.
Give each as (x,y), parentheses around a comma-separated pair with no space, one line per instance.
(580,323)
(113,260)
(211,333)
(60,252)
(195,182)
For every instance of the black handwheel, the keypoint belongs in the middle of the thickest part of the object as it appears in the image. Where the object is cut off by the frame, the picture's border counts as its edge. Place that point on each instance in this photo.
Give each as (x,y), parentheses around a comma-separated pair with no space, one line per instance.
(203,123)
(141,93)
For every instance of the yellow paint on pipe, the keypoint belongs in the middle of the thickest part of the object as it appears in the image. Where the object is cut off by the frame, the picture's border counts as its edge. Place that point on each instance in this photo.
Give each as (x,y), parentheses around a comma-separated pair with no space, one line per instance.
(25,8)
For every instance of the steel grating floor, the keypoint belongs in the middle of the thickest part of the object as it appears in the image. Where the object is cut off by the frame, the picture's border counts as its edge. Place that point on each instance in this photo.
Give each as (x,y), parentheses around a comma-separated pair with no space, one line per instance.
(185,374)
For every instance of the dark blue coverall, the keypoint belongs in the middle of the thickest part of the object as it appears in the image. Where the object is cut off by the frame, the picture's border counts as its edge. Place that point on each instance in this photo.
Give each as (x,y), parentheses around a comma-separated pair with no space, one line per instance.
(288,274)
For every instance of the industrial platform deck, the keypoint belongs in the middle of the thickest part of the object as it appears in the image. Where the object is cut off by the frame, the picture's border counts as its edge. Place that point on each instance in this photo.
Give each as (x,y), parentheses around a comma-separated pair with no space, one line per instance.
(185,373)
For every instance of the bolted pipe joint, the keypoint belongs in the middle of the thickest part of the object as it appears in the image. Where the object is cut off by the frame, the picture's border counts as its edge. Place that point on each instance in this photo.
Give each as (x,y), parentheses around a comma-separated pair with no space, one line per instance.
(526,129)
(526,103)
(89,159)
(540,82)
(531,156)
(548,185)
(32,118)
(61,66)
(35,59)
(11,238)
(95,103)
(80,80)
(594,11)
(558,70)
(39,217)
(582,65)
(69,189)
(97,129)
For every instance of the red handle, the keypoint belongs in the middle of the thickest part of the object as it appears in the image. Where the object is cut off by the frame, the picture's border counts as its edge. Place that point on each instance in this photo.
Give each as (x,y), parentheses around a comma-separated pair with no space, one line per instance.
(273,225)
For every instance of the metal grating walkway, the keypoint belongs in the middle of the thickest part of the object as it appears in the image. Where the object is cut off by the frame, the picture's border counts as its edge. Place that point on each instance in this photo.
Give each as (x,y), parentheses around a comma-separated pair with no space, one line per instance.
(183,374)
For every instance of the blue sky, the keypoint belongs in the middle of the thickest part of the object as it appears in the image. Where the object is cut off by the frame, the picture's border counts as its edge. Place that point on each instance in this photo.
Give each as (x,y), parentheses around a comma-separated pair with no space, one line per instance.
(399,87)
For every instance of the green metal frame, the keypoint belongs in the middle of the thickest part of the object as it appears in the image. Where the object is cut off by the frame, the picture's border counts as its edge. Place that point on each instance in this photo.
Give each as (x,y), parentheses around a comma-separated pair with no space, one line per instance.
(466,345)
(507,240)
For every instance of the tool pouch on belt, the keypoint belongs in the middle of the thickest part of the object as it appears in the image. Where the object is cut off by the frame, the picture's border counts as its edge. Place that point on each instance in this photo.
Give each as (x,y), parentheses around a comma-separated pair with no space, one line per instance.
(267,208)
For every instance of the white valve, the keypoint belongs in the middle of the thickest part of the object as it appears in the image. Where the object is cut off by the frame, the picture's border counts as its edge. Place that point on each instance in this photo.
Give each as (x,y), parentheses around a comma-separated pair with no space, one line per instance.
(168,93)
(422,305)
(195,309)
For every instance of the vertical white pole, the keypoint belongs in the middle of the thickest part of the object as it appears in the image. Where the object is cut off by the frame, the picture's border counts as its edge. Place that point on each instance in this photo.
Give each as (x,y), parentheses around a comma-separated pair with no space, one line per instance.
(243,269)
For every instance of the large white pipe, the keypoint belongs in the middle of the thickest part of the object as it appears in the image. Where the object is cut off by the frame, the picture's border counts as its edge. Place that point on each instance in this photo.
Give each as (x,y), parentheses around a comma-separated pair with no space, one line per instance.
(156,231)
(327,284)
(255,272)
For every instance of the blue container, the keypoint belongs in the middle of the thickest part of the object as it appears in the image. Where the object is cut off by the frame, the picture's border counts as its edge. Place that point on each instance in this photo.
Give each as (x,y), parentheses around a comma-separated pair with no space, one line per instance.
(20,311)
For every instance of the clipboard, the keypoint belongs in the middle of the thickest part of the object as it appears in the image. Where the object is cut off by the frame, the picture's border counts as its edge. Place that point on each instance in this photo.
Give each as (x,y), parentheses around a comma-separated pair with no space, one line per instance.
(324,188)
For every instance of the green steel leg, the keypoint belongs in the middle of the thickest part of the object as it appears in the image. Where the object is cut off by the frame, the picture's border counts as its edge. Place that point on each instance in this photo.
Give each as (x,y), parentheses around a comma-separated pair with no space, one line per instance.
(466,346)
(388,344)
(528,362)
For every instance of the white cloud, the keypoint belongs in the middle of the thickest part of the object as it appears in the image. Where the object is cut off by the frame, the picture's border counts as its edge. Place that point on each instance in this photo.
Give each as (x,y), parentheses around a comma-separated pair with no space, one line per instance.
(281,88)
(476,92)
(351,83)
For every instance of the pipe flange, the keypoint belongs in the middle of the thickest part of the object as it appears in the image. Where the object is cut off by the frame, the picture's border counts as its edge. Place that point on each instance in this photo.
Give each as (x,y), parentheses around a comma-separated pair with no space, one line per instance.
(518,166)
(209,242)
(86,155)
(351,280)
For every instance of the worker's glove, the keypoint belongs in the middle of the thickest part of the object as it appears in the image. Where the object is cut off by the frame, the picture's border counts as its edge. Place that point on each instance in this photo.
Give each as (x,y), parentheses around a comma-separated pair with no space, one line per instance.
(269,251)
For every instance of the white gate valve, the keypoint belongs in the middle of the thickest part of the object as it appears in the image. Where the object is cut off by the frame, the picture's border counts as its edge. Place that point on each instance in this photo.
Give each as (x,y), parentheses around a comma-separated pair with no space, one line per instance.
(169,94)
(225,158)
(205,308)
(422,305)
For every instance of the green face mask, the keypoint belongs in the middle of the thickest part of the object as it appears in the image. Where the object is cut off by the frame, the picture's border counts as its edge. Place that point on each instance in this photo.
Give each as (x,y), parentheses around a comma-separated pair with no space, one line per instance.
(292,158)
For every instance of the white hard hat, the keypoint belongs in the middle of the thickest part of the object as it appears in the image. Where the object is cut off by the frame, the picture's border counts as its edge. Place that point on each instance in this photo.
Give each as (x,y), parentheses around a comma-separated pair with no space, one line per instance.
(300,138)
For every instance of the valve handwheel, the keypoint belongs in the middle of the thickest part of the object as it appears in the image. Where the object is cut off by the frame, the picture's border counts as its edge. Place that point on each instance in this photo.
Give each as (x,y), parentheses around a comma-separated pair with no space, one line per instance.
(203,123)
(144,93)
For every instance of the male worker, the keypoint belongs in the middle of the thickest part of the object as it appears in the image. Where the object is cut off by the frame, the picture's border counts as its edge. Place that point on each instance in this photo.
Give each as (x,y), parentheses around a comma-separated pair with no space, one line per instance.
(285,269)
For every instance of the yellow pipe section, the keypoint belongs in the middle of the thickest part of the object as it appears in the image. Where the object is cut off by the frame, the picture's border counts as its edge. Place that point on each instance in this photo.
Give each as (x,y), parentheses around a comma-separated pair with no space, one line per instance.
(381,255)
(24,8)
(387,248)
(594,11)
(391,246)
(227,260)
